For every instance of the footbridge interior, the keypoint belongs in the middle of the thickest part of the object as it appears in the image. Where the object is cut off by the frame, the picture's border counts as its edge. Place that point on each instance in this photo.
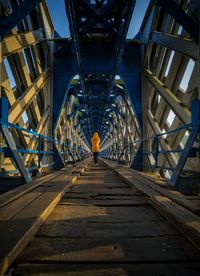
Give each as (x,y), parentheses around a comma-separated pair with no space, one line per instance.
(141,93)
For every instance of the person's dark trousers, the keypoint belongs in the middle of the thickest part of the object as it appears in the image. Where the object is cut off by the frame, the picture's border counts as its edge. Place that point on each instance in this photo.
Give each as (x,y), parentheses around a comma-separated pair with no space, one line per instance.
(95,157)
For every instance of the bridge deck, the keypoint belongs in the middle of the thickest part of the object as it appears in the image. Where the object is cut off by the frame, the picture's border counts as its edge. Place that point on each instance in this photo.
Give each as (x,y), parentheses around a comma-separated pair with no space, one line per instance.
(102,226)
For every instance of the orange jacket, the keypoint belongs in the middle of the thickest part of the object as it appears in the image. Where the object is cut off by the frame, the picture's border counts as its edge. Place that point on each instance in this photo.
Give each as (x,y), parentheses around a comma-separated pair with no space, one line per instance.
(95,142)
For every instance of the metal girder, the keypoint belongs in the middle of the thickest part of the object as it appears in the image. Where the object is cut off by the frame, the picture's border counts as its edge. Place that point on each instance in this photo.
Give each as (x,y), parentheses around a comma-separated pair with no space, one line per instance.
(176,105)
(181,17)
(10,141)
(75,36)
(190,142)
(156,129)
(96,17)
(7,23)
(184,46)
(24,79)
(33,142)
(123,29)
(15,43)
(27,97)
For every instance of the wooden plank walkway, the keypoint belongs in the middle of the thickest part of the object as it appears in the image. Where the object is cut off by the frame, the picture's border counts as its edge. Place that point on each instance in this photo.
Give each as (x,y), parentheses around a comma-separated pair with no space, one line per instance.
(182,211)
(102,226)
(24,209)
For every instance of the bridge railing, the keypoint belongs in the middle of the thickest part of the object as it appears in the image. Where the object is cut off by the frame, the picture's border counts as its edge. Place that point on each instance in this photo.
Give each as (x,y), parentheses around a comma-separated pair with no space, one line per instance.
(36,138)
(43,158)
(156,150)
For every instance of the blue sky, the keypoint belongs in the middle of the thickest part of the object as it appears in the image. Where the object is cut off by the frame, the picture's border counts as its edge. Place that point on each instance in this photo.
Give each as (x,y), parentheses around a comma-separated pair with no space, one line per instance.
(59,18)
(58,14)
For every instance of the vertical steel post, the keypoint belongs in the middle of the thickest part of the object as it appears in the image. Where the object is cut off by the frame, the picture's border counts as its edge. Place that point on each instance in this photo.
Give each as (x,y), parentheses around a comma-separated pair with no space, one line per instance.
(189,144)
(39,150)
(10,141)
(156,150)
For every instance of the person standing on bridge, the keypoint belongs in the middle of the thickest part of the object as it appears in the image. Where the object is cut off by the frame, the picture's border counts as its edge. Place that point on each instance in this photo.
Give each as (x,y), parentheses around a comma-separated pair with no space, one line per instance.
(95,146)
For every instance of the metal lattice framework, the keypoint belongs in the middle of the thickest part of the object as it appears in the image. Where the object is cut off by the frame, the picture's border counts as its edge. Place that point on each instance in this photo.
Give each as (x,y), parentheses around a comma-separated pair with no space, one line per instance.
(141,94)
(170,82)
(27,139)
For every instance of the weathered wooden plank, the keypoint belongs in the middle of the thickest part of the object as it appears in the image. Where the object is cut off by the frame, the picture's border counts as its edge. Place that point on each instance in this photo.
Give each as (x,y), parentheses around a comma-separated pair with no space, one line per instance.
(182,219)
(175,196)
(15,193)
(16,233)
(108,179)
(139,185)
(185,221)
(154,183)
(79,170)
(106,222)
(104,214)
(100,173)
(10,210)
(73,230)
(98,186)
(104,192)
(101,181)
(74,195)
(111,250)
(20,191)
(135,201)
(152,269)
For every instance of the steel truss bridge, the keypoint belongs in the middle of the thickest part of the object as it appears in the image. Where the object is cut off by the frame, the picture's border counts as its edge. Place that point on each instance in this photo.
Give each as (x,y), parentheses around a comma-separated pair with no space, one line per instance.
(127,90)
(142,95)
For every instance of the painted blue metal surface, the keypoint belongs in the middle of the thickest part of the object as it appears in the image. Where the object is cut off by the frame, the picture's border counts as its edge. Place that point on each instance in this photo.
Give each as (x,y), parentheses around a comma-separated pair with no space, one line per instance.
(10,152)
(10,141)
(7,23)
(97,52)
(94,58)
(195,130)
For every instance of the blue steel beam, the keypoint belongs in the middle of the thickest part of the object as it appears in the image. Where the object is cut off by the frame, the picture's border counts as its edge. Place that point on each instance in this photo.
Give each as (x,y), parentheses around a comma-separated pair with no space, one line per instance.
(195,130)
(120,43)
(129,70)
(7,23)
(103,63)
(10,141)
(180,16)
(69,5)
(121,38)
(96,17)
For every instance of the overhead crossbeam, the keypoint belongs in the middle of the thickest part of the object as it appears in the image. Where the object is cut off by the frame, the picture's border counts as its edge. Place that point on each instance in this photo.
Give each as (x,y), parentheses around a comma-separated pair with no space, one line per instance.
(121,38)
(120,42)
(75,36)
(7,23)
(95,17)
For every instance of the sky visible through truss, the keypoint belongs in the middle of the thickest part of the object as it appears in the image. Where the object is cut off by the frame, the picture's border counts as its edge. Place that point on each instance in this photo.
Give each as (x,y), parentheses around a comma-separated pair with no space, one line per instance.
(58,15)
(60,21)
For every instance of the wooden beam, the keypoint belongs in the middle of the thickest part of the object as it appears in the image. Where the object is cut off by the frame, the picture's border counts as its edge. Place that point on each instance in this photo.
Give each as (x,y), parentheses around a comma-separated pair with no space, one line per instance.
(37,211)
